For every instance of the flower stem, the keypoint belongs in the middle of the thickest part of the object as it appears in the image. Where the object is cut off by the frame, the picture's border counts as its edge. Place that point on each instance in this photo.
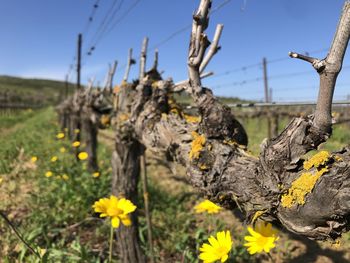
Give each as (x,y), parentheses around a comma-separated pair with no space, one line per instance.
(111,244)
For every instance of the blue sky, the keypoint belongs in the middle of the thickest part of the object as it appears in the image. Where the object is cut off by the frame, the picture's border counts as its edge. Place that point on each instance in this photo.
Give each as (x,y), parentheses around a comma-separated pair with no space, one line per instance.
(38,39)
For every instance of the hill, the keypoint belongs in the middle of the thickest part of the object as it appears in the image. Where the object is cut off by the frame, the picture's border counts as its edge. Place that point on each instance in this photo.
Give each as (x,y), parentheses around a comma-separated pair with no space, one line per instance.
(35,92)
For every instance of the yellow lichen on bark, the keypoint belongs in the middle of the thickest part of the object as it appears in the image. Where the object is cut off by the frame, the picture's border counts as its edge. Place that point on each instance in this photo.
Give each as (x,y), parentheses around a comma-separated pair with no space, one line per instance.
(317,160)
(300,188)
(191,119)
(123,117)
(197,145)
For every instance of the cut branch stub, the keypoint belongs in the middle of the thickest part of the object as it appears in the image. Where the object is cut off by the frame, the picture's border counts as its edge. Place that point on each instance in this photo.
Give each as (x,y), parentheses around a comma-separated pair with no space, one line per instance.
(214,47)
(131,61)
(328,70)
(198,44)
(143,58)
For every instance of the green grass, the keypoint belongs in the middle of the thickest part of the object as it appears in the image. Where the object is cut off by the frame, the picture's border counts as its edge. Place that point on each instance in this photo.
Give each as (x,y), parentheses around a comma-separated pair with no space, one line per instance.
(9,118)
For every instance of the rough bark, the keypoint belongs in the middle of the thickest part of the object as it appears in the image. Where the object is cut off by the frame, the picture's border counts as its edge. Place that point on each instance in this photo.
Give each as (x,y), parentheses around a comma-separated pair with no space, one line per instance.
(89,132)
(126,174)
(229,175)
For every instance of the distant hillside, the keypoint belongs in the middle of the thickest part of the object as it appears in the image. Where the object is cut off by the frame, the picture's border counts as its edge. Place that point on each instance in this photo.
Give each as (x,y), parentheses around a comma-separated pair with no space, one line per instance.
(31,91)
(50,92)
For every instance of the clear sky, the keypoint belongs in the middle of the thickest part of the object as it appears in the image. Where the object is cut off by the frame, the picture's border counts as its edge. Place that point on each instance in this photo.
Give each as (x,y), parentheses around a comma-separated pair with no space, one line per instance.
(38,39)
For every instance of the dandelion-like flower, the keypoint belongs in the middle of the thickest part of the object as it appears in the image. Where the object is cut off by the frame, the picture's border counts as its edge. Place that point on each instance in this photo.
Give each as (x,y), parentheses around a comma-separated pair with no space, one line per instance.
(96,174)
(33,159)
(76,131)
(54,159)
(262,238)
(76,144)
(207,206)
(217,249)
(83,156)
(117,209)
(65,177)
(60,135)
(62,150)
(48,174)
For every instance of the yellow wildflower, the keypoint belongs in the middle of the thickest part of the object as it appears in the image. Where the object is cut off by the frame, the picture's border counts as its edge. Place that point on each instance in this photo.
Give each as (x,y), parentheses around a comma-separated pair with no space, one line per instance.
(96,174)
(117,209)
(217,249)
(83,156)
(42,251)
(60,135)
(48,174)
(76,144)
(65,177)
(54,159)
(207,206)
(62,150)
(261,238)
(76,131)
(33,159)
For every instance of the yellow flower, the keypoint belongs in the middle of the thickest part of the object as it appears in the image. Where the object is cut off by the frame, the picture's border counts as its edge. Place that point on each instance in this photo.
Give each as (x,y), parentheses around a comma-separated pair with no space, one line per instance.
(65,177)
(76,144)
(62,150)
(101,206)
(42,251)
(76,131)
(96,174)
(60,135)
(217,249)
(54,159)
(65,129)
(263,238)
(83,156)
(207,206)
(117,209)
(33,159)
(48,174)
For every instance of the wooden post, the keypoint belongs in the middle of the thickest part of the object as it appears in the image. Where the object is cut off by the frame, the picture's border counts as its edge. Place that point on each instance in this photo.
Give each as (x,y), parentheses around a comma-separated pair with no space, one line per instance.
(79,60)
(266,91)
(66,87)
(76,111)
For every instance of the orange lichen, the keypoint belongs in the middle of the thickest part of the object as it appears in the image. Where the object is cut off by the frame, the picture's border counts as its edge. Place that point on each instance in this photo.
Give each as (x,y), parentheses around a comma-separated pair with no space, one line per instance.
(300,188)
(175,111)
(203,166)
(338,158)
(123,117)
(317,160)
(197,145)
(230,142)
(155,84)
(191,119)
(105,120)
(116,89)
